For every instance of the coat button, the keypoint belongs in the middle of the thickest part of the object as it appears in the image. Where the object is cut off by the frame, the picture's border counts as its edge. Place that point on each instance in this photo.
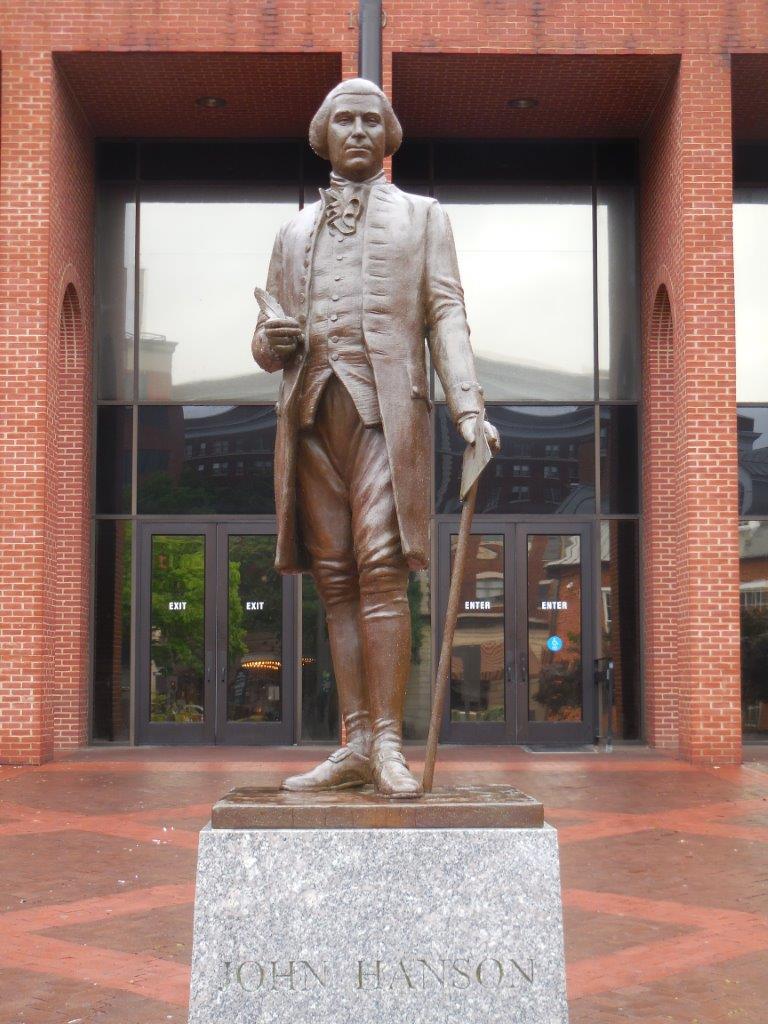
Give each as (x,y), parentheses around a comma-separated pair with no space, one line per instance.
(339,257)
(302,297)
(306,263)
(334,317)
(334,298)
(337,278)
(302,319)
(415,391)
(333,339)
(465,385)
(334,356)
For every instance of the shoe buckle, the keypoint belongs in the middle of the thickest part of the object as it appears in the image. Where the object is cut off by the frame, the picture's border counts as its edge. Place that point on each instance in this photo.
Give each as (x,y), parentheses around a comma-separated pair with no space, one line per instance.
(340,755)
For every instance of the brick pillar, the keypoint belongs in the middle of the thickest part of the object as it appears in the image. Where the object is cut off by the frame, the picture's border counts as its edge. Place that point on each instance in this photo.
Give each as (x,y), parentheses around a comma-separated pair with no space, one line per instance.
(690,469)
(27,374)
(46,224)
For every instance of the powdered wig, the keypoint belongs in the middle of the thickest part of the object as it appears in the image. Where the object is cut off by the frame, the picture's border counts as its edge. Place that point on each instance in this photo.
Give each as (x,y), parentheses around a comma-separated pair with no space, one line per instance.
(318,129)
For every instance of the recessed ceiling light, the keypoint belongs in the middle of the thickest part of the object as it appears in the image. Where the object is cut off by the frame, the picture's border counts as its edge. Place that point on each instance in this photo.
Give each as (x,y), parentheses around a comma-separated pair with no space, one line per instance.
(523,103)
(210,102)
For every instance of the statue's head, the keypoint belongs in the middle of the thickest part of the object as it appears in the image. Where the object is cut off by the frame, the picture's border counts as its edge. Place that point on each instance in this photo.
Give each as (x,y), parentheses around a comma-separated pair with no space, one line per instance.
(355,128)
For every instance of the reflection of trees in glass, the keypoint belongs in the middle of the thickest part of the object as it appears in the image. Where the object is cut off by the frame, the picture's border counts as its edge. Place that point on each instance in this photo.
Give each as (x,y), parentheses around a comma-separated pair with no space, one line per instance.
(319,700)
(255,636)
(560,681)
(236,628)
(177,636)
(192,493)
(754,657)
(417,620)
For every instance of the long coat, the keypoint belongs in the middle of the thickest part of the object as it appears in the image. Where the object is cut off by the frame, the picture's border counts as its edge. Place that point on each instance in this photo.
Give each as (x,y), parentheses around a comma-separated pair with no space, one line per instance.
(411,292)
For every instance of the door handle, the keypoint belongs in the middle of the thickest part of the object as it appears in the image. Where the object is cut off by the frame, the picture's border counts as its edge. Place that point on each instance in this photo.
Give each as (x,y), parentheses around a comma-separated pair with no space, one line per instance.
(523,668)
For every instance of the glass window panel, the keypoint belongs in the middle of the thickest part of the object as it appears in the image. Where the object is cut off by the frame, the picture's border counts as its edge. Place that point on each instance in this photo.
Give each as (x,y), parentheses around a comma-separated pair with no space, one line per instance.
(554,628)
(546,464)
(315,175)
(753,596)
(616,161)
(202,252)
(116,161)
(221,161)
(418,695)
(412,162)
(196,459)
(477,656)
(254,631)
(619,473)
(114,434)
(115,287)
(619,622)
(750,162)
(525,255)
(619,351)
(750,237)
(112,631)
(549,161)
(752,441)
(319,700)
(177,629)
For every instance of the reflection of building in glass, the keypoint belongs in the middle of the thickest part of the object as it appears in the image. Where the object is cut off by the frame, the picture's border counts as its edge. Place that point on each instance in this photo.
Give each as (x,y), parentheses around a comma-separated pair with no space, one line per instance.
(753,595)
(546,463)
(477,659)
(753,464)
(197,459)
(156,365)
(554,627)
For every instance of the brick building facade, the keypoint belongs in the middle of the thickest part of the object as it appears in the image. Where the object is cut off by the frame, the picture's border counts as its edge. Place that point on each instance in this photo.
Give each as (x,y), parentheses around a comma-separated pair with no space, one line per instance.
(684,78)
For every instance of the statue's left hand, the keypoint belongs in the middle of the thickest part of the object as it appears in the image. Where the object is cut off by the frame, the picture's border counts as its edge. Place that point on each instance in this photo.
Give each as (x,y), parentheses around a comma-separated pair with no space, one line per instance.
(467,431)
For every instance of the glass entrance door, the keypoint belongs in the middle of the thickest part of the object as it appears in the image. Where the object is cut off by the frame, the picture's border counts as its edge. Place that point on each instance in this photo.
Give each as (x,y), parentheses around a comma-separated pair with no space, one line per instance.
(215,656)
(522,659)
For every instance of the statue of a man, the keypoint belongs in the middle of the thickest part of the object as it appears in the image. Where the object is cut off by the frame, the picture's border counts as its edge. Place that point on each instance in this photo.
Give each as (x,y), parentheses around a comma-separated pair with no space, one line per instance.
(363,277)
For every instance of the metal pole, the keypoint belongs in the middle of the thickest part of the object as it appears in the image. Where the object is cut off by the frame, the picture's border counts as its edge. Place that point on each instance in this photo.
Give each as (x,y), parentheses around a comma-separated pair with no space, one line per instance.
(369,56)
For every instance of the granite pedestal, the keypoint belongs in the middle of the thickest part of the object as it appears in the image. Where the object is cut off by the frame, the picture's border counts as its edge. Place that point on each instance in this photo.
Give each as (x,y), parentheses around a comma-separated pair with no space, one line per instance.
(350,909)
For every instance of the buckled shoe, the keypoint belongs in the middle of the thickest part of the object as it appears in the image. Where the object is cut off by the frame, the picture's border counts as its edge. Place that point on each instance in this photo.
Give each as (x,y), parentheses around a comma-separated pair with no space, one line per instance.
(344,769)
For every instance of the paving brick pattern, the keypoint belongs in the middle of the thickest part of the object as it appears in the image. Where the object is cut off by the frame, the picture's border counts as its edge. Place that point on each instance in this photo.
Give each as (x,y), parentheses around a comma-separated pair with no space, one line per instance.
(664,878)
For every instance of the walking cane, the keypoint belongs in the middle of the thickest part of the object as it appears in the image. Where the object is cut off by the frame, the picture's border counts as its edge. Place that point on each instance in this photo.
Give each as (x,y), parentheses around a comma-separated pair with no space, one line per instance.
(476,458)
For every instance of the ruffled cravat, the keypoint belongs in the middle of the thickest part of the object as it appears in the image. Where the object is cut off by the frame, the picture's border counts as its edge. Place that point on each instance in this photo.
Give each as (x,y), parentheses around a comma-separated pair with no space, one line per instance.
(344,202)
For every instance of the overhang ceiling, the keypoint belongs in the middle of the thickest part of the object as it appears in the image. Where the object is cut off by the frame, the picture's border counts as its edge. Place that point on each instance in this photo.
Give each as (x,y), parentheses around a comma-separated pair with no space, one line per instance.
(153,94)
(466,95)
(750,96)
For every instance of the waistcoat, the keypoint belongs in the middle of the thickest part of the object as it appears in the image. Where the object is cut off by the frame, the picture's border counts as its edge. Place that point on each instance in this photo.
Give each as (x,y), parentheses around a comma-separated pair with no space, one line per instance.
(335,334)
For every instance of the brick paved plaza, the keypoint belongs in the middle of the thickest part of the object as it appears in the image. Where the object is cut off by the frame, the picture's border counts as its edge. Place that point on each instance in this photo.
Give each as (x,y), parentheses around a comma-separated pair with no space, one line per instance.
(665,879)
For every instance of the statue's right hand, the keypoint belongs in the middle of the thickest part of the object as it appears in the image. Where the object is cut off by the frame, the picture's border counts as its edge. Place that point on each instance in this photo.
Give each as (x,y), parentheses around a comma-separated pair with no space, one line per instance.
(283,335)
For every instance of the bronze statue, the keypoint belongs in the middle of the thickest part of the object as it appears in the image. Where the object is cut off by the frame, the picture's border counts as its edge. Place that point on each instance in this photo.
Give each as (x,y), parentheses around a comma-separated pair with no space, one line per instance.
(356,283)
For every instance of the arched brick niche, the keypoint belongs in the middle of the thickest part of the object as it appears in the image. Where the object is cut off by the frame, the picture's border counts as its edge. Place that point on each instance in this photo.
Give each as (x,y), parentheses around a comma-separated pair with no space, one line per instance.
(72,530)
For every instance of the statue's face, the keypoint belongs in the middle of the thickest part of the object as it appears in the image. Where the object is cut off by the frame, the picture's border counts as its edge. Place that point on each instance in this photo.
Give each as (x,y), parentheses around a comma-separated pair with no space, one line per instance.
(356,136)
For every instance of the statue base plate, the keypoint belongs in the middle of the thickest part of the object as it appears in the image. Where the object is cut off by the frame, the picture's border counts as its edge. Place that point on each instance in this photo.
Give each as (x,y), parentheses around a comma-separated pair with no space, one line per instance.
(406,923)
(449,807)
